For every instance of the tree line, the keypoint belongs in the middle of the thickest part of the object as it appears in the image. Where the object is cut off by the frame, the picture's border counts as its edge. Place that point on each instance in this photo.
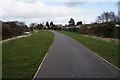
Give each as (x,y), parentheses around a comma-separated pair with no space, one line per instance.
(14,28)
(51,25)
(104,26)
(43,26)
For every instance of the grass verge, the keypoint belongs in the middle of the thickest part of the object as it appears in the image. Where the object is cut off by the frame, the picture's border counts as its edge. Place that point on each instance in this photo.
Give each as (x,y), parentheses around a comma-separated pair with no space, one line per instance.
(107,50)
(22,57)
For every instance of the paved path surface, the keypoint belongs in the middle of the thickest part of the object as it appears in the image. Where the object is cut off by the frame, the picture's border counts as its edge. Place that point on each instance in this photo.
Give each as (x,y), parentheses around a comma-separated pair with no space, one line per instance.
(69,59)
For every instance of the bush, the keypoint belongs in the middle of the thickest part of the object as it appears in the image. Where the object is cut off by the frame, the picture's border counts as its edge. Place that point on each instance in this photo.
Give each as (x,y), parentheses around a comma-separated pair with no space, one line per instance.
(100,30)
(11,29)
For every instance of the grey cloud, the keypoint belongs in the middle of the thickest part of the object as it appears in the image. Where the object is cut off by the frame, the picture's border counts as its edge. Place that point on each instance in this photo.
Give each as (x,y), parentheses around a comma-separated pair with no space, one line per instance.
(71,4)
(28,1)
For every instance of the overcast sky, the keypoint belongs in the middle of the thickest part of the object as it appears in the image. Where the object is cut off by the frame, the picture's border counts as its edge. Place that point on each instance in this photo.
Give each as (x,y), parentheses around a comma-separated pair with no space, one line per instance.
(57,11)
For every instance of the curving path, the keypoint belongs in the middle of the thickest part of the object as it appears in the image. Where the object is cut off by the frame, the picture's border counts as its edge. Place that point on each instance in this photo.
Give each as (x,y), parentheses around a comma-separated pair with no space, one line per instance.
(69,59)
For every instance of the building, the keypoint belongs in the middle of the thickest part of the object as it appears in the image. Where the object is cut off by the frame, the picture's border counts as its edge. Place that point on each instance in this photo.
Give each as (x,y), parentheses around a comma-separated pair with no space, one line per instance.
(45,27)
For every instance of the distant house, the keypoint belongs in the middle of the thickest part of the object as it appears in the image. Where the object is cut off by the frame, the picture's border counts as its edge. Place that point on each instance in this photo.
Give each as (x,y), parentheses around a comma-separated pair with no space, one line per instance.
(87,25)
(45,27)
(58,25)
(75,26)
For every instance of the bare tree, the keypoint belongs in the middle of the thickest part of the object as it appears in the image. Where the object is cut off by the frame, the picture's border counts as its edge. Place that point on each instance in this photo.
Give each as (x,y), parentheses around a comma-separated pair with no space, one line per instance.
(107,17)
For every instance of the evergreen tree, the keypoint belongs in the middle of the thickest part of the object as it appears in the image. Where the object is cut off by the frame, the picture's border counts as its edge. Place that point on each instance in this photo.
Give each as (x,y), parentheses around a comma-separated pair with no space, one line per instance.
(51,23)
(47,24)
(71,22)
(79,23)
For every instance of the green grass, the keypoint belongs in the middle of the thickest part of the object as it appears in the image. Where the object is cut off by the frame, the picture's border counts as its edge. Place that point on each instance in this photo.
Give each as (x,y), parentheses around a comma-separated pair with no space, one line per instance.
(22,57)
(107,50)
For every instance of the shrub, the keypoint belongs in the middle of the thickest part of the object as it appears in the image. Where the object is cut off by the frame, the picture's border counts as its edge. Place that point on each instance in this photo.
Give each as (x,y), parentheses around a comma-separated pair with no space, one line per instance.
(11,29)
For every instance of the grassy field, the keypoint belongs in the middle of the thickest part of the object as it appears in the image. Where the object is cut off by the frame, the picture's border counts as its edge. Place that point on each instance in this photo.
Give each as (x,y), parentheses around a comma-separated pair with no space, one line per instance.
(108,50)
(22,57)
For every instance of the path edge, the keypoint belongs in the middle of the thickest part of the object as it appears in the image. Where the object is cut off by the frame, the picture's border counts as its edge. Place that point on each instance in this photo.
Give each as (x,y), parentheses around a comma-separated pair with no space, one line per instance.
(95,54)
(42,61)
(99,56)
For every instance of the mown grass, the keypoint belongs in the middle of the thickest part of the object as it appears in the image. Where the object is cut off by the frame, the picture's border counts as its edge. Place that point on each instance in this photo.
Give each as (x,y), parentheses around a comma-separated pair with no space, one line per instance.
(22,57)
(107,50)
